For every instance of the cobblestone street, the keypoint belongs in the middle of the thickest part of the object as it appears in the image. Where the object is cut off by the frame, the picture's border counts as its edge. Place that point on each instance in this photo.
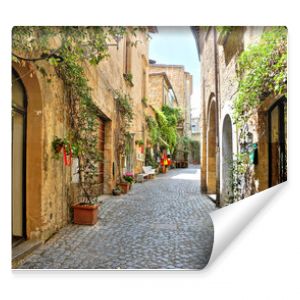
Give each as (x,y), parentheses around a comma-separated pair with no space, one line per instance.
(161,223)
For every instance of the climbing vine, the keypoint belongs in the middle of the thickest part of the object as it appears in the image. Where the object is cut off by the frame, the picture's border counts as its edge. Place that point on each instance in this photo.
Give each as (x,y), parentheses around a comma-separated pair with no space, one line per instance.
(223,30)
(124,119)
(261,71)
(163,128)
(239,178)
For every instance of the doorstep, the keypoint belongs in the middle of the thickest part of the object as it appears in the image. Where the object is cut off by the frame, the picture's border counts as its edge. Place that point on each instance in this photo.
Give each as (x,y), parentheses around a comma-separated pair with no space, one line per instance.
(212,197)
(23,249)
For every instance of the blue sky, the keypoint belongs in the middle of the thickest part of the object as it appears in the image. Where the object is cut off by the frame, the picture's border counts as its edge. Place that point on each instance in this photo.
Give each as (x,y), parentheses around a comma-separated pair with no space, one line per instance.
(176,45)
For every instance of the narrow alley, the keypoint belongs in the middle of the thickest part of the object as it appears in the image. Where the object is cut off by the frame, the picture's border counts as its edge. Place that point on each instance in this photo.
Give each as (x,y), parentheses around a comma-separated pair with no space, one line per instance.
(161,223)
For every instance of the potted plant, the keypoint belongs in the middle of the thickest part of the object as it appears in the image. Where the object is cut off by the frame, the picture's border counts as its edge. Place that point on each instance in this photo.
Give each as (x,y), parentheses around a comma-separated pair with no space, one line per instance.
(85,213)
(124,185)
(57,144)
(86,209)
(117,191)
(129,177)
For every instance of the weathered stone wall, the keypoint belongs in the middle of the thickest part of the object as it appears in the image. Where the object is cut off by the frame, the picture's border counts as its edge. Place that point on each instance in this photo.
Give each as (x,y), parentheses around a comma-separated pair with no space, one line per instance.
(156,86)
(208,88)
(188,92)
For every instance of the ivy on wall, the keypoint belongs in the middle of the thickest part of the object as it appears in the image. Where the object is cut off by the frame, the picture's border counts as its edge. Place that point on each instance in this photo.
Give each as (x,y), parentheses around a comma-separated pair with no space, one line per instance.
(261,71)
(163,128)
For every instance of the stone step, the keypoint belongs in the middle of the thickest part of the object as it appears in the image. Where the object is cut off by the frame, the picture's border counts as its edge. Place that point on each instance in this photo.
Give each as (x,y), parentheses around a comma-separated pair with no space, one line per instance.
(23,249)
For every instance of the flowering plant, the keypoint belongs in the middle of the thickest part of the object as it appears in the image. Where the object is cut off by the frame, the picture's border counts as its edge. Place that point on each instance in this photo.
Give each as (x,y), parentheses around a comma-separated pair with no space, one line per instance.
(128,176)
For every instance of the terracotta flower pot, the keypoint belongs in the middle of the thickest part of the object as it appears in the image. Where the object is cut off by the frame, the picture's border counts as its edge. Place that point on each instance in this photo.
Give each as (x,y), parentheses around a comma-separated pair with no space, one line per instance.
(124,187)
(85,214)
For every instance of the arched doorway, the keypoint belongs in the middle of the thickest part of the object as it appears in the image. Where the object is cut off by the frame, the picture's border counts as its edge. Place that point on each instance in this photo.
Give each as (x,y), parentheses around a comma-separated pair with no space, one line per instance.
(211,178)
(27,154)
(277,120)
(226,159)
(19,114)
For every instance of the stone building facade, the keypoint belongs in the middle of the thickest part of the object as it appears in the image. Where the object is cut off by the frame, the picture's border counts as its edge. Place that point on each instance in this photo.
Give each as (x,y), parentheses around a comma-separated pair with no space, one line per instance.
(182,83)
(161,91)
(220,140)
(44,188)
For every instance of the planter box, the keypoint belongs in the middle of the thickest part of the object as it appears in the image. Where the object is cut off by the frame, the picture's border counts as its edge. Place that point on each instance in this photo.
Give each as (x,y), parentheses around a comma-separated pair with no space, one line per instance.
(124,187)
(85,214)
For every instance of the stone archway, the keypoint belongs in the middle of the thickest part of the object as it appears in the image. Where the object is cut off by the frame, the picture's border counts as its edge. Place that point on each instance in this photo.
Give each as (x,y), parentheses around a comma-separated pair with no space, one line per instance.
(226,158)
(211,175)
(32,192)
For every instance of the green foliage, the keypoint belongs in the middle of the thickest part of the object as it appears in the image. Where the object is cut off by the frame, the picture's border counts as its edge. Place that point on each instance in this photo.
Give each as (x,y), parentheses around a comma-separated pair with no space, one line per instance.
(167,128)
(124,119)
(223,30)
(195,151)
(58,144)
(262,71)
(145,101)
(238,176)
(139,142)
(153,129)
(149,159)
(164,126)
(128,78)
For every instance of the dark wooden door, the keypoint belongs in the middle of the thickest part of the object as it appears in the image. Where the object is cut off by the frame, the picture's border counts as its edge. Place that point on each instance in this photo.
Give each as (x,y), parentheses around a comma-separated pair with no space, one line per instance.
(278,142)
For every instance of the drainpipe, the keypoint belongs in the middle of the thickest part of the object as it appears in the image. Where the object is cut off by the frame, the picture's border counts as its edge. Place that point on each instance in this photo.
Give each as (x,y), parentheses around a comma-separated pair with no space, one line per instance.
(217,81)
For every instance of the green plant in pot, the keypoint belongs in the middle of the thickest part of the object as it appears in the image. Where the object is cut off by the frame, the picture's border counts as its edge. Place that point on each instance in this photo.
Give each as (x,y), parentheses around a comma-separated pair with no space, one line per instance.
(117,191)
(129,177)
(58,144)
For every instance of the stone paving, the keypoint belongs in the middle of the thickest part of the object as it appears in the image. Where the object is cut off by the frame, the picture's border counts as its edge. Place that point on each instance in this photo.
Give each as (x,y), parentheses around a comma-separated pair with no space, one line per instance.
(162,223)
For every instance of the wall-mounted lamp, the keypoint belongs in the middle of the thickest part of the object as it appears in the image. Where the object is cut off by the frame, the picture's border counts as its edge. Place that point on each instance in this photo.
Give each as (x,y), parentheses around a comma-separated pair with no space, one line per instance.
(117,38)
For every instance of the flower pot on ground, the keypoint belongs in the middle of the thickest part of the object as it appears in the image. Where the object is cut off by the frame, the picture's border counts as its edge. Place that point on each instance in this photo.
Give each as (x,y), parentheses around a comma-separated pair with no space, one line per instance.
(129,178)
(116,191)
(124,187)
(85,214)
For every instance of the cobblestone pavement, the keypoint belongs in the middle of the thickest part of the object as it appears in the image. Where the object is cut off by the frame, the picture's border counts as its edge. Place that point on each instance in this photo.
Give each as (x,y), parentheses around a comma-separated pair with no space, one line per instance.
(161,223)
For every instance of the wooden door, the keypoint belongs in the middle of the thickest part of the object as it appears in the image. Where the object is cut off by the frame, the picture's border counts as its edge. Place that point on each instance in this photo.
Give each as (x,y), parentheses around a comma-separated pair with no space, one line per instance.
(278,142)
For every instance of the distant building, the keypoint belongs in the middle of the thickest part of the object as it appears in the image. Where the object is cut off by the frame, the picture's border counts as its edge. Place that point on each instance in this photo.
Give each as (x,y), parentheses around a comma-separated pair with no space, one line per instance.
(182,83)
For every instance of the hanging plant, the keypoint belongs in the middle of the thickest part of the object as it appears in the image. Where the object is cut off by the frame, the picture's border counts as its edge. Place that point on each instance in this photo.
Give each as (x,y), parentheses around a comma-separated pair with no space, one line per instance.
(128,78)
(62,145)
(144,101)
(139,142)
